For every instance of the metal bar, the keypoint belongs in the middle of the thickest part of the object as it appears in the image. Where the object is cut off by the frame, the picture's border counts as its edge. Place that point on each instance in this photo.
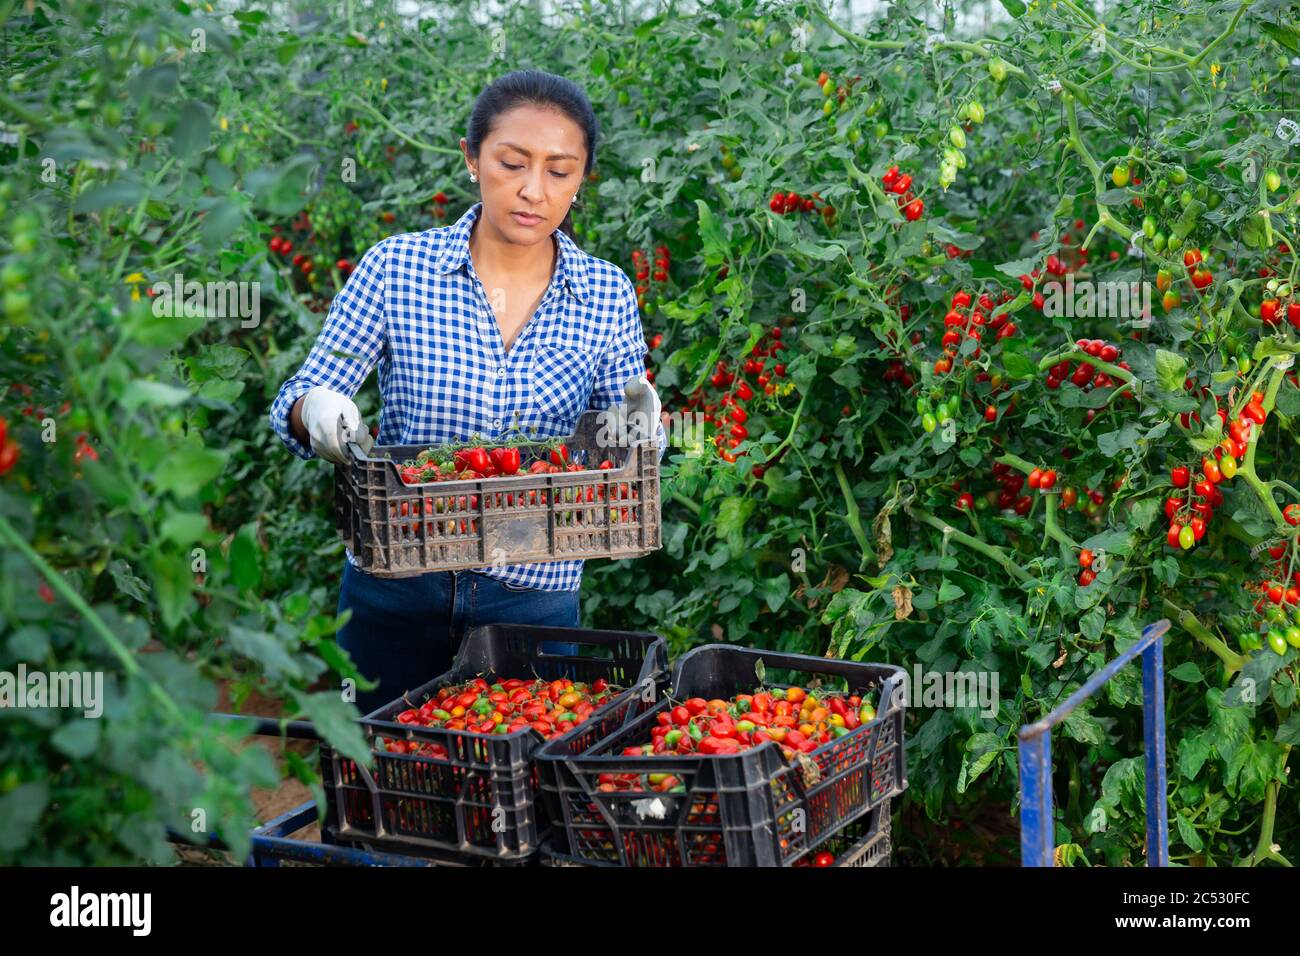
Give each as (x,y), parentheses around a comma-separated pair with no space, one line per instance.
(1153,730)
(1150,634)
(291,821)
(268,851)
(1037,838)
(1036,825)
(273,727)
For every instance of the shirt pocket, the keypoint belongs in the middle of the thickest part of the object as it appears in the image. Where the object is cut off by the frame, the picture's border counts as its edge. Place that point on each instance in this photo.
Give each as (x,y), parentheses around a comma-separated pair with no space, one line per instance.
(562,378)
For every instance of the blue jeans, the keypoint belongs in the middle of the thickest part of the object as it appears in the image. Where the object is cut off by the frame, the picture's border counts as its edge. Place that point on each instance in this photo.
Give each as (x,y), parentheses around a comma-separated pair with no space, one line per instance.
(405,631)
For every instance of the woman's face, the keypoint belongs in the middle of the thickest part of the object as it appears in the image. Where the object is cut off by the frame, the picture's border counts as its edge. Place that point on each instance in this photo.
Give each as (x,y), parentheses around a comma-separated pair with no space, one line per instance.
(529,169)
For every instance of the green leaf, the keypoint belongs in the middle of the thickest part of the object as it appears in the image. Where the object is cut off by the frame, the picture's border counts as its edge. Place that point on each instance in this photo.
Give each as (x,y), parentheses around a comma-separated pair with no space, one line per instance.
(1193,751)
(730,522)
(78,738)
(173,585)
(288,50)
(219,223)
(193,130)
(1084,728)
(161,330)
(774,591)
(246,559)
(336,722)
(1171,371)
(266,651)
(981,750)
(1187,672)
(710,231)
(154,394)
(1289,731)
(949,591)
(184,528)
(1111,444)
(1018,366)
(186,471)
(284,190)
(1187,831)
(1281,34)
(1014,7)
(120,192)
(20,809)
(126,581)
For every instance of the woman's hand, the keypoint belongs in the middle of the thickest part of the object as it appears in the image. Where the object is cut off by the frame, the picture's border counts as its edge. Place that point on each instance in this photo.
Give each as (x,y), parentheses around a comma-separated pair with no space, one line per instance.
(643,409)
(319,412)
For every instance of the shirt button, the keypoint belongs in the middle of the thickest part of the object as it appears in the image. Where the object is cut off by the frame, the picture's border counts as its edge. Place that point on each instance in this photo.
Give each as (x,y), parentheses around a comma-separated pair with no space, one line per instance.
(501,370)
(497,423)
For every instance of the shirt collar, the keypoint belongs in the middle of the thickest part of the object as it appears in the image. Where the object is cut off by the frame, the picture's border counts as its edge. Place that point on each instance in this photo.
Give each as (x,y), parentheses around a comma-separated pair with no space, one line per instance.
(572,268)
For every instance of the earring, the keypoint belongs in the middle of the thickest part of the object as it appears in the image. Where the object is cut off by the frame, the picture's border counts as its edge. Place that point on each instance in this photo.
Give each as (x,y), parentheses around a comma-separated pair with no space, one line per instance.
(473,177)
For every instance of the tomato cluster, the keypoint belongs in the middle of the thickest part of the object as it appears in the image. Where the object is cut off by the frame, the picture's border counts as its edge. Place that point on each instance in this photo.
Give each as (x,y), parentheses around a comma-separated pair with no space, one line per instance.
(643,274)
(9,449)
(1279,590)
(548,707)
(900,184)
(798,720)
(969,318)
(1190,511)
(477,462)
(782,203)
(1273,309)
(1085,375)
(727,412)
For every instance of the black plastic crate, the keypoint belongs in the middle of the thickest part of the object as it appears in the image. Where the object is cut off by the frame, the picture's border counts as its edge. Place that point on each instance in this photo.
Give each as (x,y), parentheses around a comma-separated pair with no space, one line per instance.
(863,842)
(753,808)
(482,798)
(397,530)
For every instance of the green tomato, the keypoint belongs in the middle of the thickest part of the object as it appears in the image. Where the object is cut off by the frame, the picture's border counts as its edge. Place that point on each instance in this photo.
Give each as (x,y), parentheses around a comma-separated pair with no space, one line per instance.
(1273,180)
(1119,175)
(1214,201)
(1178,175)
(1293,635)
(922,405)
(954,406)
(957,137)
(998,69)
(941,413)
(1149,226)
(1276,641)
(1250,641)
(975,111)
(1187,538)
(1158,241)
(828,107)
(928,422)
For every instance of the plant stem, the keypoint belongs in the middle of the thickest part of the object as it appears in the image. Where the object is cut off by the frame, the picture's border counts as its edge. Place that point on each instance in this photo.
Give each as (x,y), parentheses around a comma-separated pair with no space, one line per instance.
(975,544)
(1189,623)
(854,517)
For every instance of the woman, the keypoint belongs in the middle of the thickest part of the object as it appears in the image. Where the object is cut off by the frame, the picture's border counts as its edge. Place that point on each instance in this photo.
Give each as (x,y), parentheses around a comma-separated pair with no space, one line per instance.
(496,321)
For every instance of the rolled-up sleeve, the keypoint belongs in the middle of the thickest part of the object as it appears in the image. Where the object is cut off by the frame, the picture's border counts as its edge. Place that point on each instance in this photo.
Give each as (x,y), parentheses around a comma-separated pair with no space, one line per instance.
(347,348)
(624,359)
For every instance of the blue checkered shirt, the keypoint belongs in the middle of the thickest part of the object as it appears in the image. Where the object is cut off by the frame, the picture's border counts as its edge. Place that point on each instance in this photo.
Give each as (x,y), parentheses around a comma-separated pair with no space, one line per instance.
(415,306)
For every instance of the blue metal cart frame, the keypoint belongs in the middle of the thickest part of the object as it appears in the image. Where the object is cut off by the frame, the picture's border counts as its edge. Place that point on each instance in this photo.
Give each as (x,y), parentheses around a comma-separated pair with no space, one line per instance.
(1037,837)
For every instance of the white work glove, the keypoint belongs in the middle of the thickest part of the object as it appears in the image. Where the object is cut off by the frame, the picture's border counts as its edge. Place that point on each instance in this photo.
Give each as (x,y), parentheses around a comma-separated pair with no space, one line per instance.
(321,410)
(642,410)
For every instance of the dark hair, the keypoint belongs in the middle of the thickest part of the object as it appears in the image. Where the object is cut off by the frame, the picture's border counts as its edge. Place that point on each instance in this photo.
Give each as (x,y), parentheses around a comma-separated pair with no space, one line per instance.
(535,88)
